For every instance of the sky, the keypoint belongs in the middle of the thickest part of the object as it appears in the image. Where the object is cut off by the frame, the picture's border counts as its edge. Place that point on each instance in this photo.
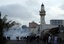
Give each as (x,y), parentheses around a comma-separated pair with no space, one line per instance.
(25,11)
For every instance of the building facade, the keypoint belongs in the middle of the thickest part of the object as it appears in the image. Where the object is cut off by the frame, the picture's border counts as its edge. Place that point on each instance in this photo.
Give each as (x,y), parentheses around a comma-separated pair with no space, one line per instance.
(33,24)
(57,22)
(33,27)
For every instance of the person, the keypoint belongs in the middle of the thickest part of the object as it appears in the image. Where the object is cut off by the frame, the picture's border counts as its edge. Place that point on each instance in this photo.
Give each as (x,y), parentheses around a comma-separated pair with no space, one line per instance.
(49,40)
(60,40)
(55,40)
(17,38)
(45,38)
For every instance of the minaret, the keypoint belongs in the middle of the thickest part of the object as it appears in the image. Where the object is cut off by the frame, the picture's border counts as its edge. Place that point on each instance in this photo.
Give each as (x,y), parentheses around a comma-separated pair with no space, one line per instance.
(42,17)
(42,14)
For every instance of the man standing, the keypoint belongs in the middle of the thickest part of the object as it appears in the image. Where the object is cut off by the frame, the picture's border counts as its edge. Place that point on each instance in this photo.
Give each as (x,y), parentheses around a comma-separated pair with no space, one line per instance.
(49,40)
(55,40)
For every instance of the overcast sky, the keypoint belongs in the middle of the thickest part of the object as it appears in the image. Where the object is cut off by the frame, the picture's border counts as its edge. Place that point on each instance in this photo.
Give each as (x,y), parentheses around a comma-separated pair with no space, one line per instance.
(25,11)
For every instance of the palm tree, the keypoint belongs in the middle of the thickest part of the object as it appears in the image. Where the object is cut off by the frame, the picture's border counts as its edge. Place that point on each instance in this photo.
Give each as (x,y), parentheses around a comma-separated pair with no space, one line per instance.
(4,24)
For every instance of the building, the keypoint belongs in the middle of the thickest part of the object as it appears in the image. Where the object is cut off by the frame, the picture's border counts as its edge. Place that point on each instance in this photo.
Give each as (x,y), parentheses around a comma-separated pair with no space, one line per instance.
(42,26)
(57,22)
(33,24)
(33,27)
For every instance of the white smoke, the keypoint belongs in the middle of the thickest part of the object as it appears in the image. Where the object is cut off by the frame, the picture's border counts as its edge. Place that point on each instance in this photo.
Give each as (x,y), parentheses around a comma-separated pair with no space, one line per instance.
(17,31)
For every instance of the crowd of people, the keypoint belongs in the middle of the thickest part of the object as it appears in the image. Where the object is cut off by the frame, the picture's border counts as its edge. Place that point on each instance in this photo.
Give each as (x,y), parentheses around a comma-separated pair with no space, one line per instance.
(47,39)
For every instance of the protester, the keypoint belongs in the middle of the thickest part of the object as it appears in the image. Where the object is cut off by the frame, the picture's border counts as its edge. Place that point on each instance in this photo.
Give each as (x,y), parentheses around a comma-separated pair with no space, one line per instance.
(49,40)
(55,40)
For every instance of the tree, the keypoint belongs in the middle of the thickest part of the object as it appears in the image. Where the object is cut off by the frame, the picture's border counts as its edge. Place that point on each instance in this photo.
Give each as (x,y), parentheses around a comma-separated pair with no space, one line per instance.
(54,31)
(4,24)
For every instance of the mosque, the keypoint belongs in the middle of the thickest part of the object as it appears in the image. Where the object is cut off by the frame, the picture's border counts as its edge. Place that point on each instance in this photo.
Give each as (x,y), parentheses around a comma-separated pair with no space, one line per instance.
(43,26)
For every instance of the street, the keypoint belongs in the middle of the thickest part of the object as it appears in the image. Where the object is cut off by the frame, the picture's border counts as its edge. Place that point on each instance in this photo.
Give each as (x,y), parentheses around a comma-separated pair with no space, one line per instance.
(25,42)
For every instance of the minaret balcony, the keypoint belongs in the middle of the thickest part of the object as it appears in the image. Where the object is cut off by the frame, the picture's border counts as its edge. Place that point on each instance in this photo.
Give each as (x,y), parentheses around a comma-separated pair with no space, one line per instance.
(42,11)
(42,14)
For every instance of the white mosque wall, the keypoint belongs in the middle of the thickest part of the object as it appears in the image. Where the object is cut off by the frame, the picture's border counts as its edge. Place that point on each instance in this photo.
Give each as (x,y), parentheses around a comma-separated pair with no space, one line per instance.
(48,26)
